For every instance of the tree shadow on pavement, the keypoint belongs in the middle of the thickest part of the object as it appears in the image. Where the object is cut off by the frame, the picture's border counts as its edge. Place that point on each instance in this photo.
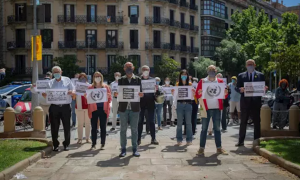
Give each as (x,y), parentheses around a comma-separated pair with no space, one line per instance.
(205,161)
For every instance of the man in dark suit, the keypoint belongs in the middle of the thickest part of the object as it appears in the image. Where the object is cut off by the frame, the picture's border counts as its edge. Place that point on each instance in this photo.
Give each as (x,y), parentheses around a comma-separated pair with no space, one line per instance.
(129,111)
(249,105)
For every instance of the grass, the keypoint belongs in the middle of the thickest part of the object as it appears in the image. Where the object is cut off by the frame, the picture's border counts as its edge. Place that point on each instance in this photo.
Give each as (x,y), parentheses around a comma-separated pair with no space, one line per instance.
(287,149)
(14,151)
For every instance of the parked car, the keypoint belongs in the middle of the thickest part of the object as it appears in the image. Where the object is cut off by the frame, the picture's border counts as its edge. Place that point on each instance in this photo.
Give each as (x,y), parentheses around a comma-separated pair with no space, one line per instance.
(12,92)
(24,103)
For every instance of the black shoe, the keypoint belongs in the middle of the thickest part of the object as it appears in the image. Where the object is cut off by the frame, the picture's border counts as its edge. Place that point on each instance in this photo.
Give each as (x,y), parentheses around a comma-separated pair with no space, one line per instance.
(139,142)
(66,148)
(123,153)
(55,149)
(112,129)
(239,144)
(102,146)
(154,142)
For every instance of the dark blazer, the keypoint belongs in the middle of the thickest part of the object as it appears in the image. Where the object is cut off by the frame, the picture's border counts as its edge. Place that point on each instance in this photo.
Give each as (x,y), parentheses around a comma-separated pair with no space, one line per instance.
(249,102)
(135,106)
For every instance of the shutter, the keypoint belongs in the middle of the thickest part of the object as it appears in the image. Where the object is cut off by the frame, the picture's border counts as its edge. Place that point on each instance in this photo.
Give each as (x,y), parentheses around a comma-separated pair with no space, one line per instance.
(136,38)
(29,14)
(128,11)
(138,14)
(88,10)
(40,14)
(47,12)
(72,13)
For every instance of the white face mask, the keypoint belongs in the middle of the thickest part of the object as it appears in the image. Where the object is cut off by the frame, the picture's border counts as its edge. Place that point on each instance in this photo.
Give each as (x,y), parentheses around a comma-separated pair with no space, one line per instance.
(146,73)
(98,79)
(167,82)
(117,78)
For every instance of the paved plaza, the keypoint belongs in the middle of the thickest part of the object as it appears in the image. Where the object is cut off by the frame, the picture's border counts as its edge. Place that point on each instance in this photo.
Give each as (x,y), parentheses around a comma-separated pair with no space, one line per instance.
(165,161)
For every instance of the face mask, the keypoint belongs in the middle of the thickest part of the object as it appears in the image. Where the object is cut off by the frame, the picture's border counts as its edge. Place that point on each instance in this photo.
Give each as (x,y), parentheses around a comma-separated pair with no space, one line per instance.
(129,71)
(183,77)
(157,82)
(117,78)
(57,75)
(98,79)
(233,80)
(146,73)
(83,80)
(167,82)
(211,73)
(283,85)
(250,68)
(194,81)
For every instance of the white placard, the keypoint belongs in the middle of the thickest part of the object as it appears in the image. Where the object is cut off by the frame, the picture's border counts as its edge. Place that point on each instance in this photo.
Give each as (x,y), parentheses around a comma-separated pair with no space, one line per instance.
(74,80)
(128,93)
(213,90)
(195,85)
(41,85)
(148,86)
(114,87)
(168,91)
(224,80)
(57,96)
(254,89)
(81,88)
(97,95)
(184,92)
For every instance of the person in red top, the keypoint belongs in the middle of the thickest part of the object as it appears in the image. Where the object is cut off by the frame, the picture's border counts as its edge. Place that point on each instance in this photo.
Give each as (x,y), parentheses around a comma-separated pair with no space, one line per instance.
(82,113)
(213,108)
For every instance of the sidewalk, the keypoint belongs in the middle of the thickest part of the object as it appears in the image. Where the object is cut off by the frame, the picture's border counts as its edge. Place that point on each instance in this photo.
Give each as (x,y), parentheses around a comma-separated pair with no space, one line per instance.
(165,161)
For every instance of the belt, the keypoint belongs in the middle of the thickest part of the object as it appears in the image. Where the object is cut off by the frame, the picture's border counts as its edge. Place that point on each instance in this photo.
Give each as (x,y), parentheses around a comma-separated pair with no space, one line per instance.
(60,105)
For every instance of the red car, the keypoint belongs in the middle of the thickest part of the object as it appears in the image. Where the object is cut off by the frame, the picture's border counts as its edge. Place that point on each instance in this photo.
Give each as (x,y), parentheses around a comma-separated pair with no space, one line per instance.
(23,107)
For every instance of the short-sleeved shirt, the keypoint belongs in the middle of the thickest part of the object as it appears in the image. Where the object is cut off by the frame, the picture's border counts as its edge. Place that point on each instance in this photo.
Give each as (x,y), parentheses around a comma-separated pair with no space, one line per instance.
(64,83)
(234,95)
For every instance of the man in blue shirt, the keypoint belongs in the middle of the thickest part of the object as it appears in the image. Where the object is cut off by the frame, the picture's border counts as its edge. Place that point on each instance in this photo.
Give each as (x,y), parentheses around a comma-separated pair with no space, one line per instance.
(234,102)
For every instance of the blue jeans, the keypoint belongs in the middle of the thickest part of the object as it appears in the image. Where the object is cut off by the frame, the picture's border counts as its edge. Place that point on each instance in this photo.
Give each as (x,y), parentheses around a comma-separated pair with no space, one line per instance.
(158,112)
(73,112)
(133,118)
(184,111)
(216,118)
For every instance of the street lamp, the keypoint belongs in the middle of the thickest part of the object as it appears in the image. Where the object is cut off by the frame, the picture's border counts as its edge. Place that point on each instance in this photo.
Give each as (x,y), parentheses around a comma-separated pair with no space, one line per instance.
(195,59)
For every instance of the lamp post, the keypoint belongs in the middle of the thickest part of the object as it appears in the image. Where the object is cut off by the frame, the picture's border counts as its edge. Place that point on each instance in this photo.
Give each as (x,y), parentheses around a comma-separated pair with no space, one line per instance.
(195,59)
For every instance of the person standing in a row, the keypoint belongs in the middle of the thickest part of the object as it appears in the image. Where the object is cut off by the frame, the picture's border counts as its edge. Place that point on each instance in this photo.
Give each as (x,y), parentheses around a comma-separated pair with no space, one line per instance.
(115,103)
(73,106)
(99,111)
(168,104)
(158,106)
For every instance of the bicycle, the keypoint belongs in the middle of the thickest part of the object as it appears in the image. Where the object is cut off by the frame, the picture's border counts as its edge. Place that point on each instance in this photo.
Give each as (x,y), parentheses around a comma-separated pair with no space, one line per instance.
(235,118)
(24,120)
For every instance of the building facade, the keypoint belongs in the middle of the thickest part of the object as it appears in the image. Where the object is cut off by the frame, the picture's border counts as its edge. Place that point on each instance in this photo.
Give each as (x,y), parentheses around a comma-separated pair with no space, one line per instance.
(97,31)
(2,34)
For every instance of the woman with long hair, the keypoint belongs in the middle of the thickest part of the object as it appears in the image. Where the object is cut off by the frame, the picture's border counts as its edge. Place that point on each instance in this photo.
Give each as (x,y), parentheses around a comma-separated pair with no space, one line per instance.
(184,111)
(82,112)
(99,111)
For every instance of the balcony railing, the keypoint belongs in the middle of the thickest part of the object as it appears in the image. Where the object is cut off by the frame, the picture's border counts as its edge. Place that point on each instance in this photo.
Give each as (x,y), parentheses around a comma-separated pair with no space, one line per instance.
(134,20)
(183,48)
(91,45)
(175,24)
(157,20)
(194,50)
(185,26)
(206,32)
(194,7)
(184,4)
(18,45)
(13,19)
(173,2)
(194,28)
(157,45)
(91,70)
(24,71)
(83,19)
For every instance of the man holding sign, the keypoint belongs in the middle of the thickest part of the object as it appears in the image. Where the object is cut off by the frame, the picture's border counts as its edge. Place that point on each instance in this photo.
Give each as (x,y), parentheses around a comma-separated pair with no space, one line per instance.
(115,104)
(129,110)
(249,105)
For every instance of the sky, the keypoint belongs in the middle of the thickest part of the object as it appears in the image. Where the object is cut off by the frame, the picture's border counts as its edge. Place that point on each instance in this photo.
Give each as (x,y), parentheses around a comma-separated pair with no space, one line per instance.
(289,3)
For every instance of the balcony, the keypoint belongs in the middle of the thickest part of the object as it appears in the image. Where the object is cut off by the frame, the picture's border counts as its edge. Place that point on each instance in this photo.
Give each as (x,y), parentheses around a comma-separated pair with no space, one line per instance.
(175,24)
(184,48)
(91,45)
(134,20)
(174,47)
(157,45)
(194,28)
(184,26)
(16,20)
(18,45)
(194,50)
(193,7)
(184,4)
(173,2)
(23,71)
(83,19)
(157,21)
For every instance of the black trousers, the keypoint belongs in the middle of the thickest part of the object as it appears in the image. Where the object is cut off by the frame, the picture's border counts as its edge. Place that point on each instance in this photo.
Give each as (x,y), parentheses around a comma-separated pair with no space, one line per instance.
(99,114)
(57,113)
(167,103)
(150,118)
(194,116)
(255,114)
(223,120)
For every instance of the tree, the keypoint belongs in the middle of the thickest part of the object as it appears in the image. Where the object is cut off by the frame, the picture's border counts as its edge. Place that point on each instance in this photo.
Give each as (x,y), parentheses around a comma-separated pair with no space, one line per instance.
(201,67)
(230,57)
(118,66)
(167,67)
(68,65)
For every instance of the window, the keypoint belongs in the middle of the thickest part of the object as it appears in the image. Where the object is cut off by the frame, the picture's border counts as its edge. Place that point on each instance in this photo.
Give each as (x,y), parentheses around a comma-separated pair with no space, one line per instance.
(136,58)
(156,14)
(208,45)
(192,22)
(111,38)
(183,43)
(111,12)
(172,41)
(226,26)
(172,20)
(47,38)
(213,7)
(47,63)
(91,38)
(91,11)
(133,14)
(156,59)
(20,38)
(20,64)
(183,63)
(213,26)
(156,39)
(172,57)
(20,12)
(192,44)
(232,11)
(70,38)
(91,64)
(20,90)
(226,12)
(47,12)
(182,18)
(110,60)
(69,13)
(134,39)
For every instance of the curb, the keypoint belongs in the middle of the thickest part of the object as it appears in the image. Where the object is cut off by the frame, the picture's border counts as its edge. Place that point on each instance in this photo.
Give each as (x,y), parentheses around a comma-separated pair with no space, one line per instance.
(8,173)
(273,158)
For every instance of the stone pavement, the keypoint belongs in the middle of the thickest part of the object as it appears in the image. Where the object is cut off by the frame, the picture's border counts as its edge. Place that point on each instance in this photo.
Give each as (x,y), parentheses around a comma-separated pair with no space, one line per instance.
(165,161)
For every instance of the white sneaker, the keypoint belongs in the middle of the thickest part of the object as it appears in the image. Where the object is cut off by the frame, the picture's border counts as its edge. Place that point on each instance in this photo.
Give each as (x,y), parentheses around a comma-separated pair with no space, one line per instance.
(230,122)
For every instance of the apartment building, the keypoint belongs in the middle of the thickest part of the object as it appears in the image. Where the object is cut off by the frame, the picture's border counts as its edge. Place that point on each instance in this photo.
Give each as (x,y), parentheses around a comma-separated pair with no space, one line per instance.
(216,19)
(97,31)
(2,42)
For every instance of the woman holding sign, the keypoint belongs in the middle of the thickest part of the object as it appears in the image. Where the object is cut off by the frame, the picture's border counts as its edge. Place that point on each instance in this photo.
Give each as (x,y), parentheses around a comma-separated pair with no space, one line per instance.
(184,107)
(99,110)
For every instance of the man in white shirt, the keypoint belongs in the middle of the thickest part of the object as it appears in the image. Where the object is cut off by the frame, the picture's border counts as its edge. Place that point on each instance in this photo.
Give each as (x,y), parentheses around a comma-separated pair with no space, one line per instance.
(115,104)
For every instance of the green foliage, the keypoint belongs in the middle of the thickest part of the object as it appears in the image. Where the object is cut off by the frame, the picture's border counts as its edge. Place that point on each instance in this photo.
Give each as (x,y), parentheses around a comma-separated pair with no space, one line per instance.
(201,67)
(118,66)
(68,65)
(230,57)
(167,67)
